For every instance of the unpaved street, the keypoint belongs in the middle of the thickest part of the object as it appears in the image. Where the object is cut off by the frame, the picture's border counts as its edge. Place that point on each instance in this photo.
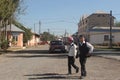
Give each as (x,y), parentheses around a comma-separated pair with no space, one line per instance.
(37,64)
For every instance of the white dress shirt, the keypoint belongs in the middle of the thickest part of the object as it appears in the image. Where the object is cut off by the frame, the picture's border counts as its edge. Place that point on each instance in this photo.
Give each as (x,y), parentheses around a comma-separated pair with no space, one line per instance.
(72,50)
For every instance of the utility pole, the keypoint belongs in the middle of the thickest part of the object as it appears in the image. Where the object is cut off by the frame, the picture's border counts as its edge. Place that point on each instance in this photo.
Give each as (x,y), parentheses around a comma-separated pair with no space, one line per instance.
(65,36)
(49,31)
(39,29)
(110,45)
(34,27)
(65,33)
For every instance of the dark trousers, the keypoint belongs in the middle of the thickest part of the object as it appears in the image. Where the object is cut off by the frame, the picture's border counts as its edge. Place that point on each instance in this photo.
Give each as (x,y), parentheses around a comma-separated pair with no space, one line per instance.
(71,62)
(82,60)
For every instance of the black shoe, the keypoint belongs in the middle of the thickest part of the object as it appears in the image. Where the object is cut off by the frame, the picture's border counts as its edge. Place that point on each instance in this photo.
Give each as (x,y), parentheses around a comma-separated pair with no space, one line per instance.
(81,77)
(77,70)
(69,73)
(85,75)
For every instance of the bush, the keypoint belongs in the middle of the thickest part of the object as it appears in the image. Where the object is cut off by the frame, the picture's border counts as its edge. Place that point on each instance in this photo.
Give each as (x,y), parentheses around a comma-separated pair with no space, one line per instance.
(5,45)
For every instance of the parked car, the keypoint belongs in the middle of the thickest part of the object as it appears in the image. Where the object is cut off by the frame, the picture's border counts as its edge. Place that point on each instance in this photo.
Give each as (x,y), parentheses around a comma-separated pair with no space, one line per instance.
(57,46)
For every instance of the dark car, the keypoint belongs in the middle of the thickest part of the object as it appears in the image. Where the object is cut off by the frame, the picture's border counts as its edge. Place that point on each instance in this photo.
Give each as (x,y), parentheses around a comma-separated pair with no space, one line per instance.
(56,46)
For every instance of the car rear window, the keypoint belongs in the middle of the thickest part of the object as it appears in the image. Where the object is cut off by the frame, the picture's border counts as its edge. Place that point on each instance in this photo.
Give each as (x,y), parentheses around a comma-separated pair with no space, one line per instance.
(56,43)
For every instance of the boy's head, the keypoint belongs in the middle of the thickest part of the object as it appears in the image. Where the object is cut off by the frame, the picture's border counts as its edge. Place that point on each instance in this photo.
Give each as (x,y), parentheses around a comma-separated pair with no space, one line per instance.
(81,38)
(70,39)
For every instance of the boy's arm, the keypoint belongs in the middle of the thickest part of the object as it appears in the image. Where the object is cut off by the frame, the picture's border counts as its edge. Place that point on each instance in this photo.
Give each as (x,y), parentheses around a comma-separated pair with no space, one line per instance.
(91,47)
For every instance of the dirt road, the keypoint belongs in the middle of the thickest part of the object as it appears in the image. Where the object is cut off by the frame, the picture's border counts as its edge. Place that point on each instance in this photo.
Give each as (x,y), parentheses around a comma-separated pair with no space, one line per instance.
(37,64)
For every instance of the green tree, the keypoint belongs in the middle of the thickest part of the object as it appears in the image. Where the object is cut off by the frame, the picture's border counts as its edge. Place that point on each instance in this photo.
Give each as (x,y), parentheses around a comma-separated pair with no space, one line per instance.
(47,36)
(8,9)
(117,24)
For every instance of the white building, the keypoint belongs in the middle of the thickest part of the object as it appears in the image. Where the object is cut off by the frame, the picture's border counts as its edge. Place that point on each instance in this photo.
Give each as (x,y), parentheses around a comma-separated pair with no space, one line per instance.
(96,28)
(101,35)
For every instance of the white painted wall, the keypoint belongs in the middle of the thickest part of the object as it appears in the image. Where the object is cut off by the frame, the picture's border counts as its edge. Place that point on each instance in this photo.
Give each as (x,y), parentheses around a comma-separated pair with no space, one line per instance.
(99,38)
(117,37)
(96,39)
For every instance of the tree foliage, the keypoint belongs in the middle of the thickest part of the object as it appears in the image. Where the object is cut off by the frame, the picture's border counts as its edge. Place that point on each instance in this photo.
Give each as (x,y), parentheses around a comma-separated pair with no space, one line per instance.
(7,11)
(46,36)
(117,24)
(8,8)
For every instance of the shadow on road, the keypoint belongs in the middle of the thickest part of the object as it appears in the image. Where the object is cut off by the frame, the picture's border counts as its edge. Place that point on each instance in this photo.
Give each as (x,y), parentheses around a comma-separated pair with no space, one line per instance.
(37,53)
(32,52)
(51,76)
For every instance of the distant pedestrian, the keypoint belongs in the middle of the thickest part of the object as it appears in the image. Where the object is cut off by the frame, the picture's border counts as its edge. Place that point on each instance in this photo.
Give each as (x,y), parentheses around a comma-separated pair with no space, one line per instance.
(71,56)
(85,49)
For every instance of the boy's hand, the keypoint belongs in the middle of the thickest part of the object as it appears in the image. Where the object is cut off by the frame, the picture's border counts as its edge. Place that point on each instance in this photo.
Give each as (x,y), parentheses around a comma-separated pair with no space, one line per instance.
(88,55)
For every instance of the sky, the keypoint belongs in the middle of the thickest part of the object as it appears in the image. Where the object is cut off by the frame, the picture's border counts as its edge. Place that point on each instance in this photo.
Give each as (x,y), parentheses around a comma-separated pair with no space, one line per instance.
(60,16)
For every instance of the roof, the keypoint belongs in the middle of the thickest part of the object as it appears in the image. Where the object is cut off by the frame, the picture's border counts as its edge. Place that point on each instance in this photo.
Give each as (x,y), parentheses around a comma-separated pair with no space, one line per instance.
(13,28)
(105,29)
(100,12)
(96,27)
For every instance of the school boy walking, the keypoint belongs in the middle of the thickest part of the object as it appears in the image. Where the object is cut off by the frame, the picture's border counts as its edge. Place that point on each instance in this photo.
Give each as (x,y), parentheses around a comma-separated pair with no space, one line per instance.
(85,49)
(71,56)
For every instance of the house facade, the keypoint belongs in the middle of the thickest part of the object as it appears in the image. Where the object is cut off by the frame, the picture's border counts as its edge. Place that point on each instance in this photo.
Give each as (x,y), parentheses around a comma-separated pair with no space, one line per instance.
(34,40)
(14,35)
(96,28)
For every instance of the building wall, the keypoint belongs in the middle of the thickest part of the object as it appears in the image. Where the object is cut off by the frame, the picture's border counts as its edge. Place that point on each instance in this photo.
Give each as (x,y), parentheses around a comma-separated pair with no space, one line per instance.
(20,40)
(117,37)
(95,19)
(98,38)
(34,41)
(100,20)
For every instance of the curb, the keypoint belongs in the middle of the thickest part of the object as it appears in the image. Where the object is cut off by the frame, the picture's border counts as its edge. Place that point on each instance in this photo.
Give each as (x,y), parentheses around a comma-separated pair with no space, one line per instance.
(16,49)
(107,57)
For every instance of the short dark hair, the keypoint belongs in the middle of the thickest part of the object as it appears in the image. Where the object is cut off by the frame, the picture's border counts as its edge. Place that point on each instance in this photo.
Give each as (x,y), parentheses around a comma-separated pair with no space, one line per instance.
(81,36)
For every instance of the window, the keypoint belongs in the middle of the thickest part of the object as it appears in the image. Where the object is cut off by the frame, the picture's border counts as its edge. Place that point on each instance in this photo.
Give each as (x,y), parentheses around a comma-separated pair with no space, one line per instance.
(106,37)
(99,15)
(15,38)
(113,38)
(103,15)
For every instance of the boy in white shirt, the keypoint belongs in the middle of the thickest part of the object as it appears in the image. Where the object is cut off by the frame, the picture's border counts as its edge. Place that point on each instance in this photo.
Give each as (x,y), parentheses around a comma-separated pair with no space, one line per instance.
(71,56)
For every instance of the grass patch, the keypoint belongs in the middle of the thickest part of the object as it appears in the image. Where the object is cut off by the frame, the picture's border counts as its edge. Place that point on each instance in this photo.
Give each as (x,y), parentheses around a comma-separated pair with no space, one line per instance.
(114,48)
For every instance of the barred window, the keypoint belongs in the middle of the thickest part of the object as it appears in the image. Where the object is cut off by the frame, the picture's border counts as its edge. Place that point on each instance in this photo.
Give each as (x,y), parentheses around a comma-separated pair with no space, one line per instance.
(106,37)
